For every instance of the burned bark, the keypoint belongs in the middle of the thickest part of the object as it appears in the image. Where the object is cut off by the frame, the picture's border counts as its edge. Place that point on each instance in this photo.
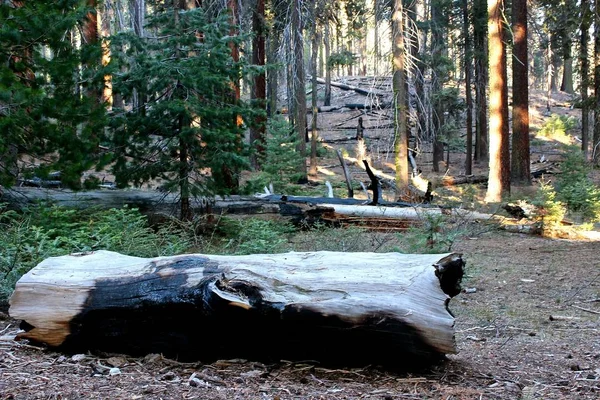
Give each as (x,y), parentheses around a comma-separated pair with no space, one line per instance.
(336,308)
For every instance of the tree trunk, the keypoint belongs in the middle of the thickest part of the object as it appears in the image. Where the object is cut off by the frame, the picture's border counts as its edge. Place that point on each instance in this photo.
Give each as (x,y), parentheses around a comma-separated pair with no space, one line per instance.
(337,308)
(438,52)
(481,80)
(585,82)
(231,175)
(520,114)
(299,90)
(272,74)
(567,79)
(468,96)
(400,93)
(327,44)
(259,90)
(316,38)
(376,45)
(499,181)
(596,143)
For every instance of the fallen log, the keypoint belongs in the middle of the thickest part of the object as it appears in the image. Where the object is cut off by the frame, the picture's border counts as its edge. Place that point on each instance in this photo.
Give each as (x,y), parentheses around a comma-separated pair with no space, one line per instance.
(356,89)
(338,308)
(462,179)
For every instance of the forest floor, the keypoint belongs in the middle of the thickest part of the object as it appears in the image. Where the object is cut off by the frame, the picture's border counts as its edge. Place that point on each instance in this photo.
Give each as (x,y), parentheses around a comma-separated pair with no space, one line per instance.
(527,327)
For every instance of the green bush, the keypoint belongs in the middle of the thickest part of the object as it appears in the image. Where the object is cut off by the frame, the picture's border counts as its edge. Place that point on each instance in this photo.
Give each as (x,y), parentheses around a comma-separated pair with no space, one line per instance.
(557,128)
(45,231)
(255,236)
(552,211)
(575,189)
(280,164)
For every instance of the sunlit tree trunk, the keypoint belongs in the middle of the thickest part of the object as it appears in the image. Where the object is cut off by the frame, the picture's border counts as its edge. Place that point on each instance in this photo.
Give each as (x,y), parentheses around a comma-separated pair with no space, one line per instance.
(399,89)
(499,174)
(91,36)
(585,82)
(520,112)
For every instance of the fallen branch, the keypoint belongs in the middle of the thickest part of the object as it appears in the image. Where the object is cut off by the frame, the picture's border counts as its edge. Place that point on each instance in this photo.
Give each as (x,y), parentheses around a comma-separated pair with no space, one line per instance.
(356,89)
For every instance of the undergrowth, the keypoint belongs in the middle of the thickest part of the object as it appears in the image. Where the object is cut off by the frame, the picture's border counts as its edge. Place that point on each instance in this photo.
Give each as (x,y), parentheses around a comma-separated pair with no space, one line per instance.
(46,231)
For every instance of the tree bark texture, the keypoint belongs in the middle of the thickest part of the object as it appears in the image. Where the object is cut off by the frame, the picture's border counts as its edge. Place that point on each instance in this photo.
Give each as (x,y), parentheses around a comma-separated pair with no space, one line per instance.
(520,113)
(481,80)
(585,80)
(400,92)
(259,88)
(338,308)
(567,78)
(499,181)
(596,142)
(468,51)
(327,45)
(298,82)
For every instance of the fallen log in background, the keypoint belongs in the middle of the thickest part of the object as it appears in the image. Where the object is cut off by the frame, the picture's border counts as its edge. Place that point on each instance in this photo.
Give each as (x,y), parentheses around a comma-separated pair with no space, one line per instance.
(339,308)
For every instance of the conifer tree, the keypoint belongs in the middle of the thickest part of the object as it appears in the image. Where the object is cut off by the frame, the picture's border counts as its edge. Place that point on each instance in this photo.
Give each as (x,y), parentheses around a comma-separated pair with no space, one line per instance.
(41,118)
(187,132)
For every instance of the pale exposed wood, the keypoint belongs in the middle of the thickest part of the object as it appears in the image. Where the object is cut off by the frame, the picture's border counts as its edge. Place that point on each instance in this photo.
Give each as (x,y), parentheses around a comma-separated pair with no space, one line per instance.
(356,89)
(414,213)
(65,299)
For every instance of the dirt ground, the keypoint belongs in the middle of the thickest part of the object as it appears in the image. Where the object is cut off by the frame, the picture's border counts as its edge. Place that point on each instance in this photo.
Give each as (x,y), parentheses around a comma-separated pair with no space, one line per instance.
(527,325)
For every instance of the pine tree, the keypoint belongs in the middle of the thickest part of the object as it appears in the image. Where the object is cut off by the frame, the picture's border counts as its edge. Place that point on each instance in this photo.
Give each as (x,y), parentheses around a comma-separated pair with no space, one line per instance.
(187,132)
(41,116)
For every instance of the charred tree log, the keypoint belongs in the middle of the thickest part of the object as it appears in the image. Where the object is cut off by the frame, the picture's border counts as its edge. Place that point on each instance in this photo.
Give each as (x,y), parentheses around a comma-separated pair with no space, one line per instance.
(337,308)
(375,185)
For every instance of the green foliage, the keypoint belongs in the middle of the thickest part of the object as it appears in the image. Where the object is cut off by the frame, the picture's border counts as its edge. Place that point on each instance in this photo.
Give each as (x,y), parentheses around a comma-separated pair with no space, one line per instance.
(46,231)
(574,187)
(342,58)
(256,236)
(185,131)
(42,110)
(281,159)
(435,234)
(552,211)
(557,127)
(356,11)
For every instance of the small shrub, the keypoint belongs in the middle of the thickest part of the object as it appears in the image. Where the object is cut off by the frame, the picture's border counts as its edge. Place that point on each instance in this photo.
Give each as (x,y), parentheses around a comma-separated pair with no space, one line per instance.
(575,189)
(435,234)
(551,211)
(44,231)
(281,161)
(255,236)
(557,128)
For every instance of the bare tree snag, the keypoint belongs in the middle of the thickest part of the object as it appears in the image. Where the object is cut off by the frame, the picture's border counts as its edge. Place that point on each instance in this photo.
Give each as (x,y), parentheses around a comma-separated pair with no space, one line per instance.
(337,308)
(346,174)
(375,185)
